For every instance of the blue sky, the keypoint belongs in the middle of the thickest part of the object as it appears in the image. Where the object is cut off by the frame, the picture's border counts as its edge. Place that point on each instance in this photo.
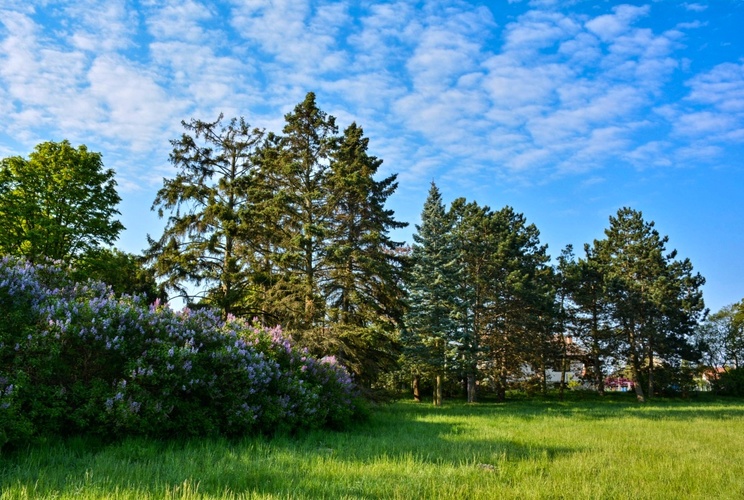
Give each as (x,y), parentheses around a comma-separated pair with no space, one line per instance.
(565,110)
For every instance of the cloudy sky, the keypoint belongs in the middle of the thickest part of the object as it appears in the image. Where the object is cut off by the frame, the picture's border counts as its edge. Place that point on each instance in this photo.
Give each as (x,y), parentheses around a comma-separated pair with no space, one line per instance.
(565,110)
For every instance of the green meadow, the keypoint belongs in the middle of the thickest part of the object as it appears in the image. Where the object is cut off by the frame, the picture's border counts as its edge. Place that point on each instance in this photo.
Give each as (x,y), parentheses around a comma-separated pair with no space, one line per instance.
(524,448)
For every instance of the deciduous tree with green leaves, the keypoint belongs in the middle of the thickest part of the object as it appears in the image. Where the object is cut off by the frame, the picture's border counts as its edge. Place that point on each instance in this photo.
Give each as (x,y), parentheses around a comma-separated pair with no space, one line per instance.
(124,272)
(58,204)
(721,337)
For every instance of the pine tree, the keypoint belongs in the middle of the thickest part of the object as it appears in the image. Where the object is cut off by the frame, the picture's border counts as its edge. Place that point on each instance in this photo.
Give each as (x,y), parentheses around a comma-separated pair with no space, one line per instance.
(519,298)
(473,241)
(587,310)
(656,300)
(201,243)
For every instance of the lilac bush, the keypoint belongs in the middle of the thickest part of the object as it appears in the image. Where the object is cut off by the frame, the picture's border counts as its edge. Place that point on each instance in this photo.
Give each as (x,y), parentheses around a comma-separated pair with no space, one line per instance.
(76,359)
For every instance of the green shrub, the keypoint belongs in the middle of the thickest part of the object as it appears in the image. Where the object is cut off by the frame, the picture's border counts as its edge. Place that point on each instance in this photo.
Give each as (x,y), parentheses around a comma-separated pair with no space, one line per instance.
(730,382)
(76,359)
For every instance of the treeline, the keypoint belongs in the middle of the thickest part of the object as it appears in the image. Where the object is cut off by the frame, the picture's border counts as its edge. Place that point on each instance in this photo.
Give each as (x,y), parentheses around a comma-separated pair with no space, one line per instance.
(292,228)
(487,306)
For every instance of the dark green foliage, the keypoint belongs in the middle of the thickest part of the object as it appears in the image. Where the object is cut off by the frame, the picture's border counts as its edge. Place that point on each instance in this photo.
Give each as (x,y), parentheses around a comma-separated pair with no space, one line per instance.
(207,237)
(292,203)
(586,312)
(481,295)
(730,382)
(125,273)
(655,300)
(430,327)
(57,204)
(292,229)
(519,299)
(365,268)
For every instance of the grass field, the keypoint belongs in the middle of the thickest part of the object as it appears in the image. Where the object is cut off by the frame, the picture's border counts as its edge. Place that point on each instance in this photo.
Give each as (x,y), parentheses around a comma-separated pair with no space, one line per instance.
(591,448)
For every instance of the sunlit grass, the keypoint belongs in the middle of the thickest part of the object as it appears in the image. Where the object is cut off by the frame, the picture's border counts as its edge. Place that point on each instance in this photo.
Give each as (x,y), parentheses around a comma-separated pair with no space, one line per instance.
(612,448)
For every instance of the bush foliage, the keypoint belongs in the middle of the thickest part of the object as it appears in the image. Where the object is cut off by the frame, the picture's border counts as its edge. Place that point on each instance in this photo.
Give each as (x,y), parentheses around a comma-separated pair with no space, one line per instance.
(730,382)
(75,359)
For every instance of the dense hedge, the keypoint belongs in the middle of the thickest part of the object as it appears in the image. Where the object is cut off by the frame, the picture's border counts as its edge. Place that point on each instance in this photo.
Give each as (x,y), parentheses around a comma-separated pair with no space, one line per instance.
(730,382)
(76,359)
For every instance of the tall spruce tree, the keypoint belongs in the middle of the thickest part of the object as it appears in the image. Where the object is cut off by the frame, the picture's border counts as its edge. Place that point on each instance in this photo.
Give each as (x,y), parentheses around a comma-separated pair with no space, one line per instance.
(293,203)
(364,287)
(432,292)
(330,271)
(473,241)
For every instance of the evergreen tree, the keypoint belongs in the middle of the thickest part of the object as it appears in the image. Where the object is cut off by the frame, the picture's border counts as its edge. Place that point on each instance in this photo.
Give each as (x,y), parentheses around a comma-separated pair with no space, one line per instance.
(202,243)
(331,274)
(364,288)
(656,300)
(473,242)
(293,201)
(432,291)
(588,311)
(519,298)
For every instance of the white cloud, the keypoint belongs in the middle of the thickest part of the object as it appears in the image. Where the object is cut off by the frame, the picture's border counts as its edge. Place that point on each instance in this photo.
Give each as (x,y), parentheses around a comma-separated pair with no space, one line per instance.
(713,111)
(100,26)
(722,87)
(435,85)
(695,7)
(181,20)
(295,33)
(133,105)
(538,30)
(609,27)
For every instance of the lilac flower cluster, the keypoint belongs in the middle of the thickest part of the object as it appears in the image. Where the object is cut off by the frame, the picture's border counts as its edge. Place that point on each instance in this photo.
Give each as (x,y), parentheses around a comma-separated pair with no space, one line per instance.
(147,369)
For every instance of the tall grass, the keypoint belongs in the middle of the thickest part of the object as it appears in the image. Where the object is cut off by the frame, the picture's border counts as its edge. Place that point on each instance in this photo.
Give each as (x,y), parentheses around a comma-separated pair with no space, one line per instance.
(610,448)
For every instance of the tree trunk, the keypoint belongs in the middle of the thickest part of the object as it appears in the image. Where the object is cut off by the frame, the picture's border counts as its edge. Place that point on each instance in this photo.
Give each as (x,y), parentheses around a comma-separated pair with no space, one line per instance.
(650,371)
(635,372)
(501,392)
(635,363)
(563,376)
(438,391)
(544,373)
(471,387)
(416,388)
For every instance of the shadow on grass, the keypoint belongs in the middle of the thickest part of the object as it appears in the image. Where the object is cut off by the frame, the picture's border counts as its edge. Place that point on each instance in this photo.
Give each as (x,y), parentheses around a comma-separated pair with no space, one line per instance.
(594,407)
(370,461)
(402,442)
